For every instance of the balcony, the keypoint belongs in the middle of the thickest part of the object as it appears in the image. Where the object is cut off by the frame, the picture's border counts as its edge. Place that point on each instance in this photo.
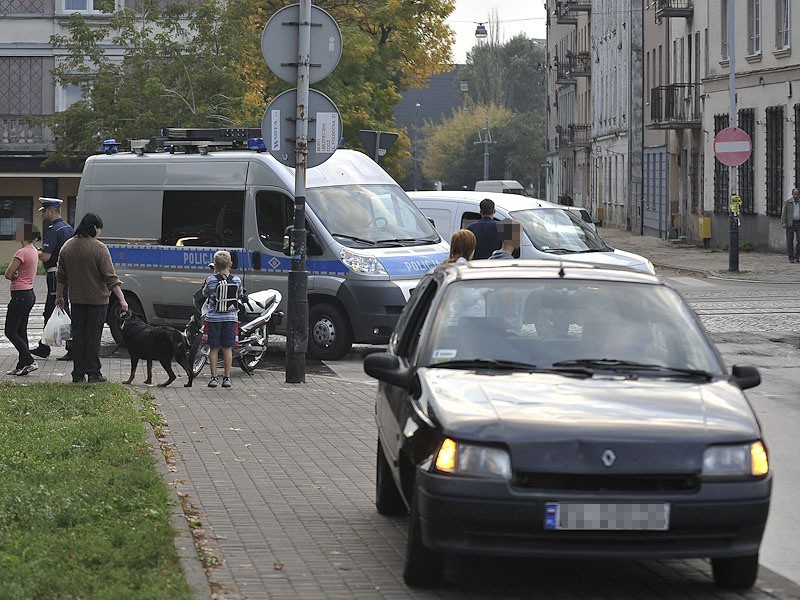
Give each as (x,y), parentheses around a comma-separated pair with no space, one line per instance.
(579,135)
(579,65)
(564,14)
(564,75)
(673,8)
(577,6)
(675,106)
(17,135)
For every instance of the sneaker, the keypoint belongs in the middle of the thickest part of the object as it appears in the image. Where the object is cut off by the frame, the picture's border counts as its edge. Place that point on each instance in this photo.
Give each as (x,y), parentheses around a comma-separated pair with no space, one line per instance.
(27,369)
(13,371)
(41,351)
(226,382)
(214,382)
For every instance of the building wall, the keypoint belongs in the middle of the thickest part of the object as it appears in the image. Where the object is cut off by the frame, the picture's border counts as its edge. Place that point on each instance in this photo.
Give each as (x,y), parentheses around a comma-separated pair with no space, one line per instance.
(767,80)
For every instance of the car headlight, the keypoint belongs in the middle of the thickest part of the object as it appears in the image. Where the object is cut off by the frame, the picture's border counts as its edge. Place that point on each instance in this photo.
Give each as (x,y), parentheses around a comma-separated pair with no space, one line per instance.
(361,263)
(459,458)
(736,461)
(651,267)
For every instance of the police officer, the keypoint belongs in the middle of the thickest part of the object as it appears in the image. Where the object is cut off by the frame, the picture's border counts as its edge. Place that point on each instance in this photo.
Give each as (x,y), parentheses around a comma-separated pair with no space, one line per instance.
(56,233)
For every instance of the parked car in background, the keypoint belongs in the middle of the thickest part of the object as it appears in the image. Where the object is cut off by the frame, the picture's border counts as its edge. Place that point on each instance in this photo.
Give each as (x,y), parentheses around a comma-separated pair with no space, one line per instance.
(563,410)
(501,186)
(549,231)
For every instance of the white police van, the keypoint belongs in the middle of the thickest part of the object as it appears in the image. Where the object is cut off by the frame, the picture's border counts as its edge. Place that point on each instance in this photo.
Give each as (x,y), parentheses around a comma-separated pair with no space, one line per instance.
(166,213)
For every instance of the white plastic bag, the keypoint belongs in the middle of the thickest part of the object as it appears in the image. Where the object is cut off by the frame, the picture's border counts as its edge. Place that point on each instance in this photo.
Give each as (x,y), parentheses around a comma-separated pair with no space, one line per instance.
(58,328)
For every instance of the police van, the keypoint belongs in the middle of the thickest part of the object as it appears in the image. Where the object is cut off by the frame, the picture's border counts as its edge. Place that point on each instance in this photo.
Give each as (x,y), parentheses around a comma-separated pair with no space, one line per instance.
(166,213)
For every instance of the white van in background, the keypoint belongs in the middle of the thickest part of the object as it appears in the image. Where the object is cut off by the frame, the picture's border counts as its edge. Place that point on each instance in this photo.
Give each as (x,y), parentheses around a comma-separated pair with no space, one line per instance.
(549,231)
(166,212)
(501,186)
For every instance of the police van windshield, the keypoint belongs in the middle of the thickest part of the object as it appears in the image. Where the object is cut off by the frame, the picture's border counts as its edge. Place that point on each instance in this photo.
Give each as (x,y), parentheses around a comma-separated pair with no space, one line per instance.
(362,216)
(559,231)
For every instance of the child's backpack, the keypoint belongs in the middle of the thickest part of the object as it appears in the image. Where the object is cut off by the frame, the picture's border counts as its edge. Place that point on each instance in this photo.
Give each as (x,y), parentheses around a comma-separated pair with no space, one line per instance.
(227,294)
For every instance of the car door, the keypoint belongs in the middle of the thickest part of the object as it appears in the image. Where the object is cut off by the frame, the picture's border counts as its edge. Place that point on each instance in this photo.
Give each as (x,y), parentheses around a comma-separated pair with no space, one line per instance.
(393,404)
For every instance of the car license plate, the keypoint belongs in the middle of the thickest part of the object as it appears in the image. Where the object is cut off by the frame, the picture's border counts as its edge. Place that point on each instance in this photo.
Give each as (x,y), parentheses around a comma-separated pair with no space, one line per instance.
(576,516)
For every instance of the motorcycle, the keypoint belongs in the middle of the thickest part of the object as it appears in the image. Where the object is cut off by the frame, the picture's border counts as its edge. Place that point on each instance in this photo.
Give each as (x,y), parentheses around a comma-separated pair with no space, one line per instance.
(258,317)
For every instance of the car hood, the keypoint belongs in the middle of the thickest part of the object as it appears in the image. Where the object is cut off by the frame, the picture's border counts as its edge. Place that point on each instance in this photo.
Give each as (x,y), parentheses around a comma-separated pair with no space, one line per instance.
(557,423)
(615,259)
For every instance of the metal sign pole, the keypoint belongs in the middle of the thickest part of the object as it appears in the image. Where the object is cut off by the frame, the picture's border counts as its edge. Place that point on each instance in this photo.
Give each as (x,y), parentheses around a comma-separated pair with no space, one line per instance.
(733,241)
(297,307)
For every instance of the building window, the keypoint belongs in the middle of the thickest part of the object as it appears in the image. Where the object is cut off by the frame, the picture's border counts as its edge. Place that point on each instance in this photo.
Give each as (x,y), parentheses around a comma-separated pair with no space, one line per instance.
(774,160)
(745,173)
(782,27)
(721,178)
(13,211)
(90,6)
(753,26)
(724,30)
(67,95)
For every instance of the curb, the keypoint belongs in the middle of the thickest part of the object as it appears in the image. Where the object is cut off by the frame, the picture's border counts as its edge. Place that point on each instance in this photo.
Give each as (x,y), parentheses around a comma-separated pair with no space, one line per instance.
(191,564)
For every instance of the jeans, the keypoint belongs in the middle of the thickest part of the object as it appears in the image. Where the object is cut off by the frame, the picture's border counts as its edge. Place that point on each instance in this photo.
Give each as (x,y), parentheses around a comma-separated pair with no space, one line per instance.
(793,240)
(87,329)
(16,329)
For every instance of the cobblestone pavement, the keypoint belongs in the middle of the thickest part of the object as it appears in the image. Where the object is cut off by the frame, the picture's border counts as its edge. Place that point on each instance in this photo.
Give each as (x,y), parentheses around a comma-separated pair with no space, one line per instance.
(281,480)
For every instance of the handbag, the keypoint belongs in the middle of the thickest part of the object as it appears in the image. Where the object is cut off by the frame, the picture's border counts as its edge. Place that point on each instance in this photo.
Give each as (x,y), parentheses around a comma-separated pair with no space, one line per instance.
(58,328)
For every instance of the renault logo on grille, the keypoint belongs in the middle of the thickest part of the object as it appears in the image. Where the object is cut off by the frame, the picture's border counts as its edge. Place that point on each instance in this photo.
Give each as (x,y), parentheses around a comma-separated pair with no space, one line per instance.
(608,458)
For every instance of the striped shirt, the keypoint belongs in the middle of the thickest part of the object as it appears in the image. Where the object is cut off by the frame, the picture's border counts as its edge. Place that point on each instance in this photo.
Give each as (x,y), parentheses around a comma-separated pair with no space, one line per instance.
(210,292)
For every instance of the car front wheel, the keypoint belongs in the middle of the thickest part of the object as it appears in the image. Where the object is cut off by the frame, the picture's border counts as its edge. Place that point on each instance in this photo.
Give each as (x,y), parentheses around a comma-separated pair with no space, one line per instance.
(735,573)
(424,567)
(388,500)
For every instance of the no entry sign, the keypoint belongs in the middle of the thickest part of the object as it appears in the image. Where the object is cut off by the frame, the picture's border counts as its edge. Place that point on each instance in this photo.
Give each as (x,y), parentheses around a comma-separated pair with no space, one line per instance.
(732,146)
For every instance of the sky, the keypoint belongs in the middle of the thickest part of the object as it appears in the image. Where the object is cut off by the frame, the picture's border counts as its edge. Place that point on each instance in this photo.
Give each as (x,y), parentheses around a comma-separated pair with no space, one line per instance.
(515,16)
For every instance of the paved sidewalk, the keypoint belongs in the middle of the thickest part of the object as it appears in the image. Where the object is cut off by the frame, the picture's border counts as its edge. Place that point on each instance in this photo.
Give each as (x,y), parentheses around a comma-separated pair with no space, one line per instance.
(769,267)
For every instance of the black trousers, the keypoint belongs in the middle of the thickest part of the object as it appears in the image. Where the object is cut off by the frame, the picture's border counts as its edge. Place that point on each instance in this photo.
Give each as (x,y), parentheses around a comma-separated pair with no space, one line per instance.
(87,329)
(50,301)
(793,240)
(16,328)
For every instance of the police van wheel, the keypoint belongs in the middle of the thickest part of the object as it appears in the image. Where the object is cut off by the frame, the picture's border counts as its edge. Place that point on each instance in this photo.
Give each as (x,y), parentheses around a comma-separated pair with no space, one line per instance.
(329,332)
(115,323)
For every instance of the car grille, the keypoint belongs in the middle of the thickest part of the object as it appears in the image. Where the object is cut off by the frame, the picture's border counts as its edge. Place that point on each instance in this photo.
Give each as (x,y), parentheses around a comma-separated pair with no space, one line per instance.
(608,483)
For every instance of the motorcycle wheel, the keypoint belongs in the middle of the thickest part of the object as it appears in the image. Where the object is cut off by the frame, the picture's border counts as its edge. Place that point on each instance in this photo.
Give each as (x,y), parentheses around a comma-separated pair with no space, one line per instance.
(198,355)
(248,361)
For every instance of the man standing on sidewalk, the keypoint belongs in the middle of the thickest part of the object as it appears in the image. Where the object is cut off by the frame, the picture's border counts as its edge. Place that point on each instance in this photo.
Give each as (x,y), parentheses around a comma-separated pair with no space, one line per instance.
(56,233)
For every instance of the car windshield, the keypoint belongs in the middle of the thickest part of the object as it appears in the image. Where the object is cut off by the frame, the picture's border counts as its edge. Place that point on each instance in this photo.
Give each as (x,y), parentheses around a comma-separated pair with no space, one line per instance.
(583,325)
(559,231)
(362,216)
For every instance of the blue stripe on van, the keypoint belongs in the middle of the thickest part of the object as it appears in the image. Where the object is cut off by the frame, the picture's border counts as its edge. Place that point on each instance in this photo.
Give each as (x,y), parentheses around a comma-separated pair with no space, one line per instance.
(174,257)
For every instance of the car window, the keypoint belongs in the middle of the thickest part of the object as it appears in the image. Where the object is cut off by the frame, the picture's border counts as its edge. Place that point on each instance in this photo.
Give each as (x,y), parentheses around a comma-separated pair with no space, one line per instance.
(543,321)
(559,231)
(468,218)
(405,338)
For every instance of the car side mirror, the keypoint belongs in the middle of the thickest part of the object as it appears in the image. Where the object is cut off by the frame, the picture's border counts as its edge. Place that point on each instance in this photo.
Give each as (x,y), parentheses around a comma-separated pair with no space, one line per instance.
(313,247)
(745,376)
(386,367)
(287,240)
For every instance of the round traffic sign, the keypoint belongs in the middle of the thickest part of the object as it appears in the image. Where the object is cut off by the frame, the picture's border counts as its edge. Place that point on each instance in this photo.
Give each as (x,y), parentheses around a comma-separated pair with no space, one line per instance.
(279,43)
(278,127)
(732,146)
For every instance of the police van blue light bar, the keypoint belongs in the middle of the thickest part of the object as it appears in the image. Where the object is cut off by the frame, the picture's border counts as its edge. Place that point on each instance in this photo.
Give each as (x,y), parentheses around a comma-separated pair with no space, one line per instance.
(256,144)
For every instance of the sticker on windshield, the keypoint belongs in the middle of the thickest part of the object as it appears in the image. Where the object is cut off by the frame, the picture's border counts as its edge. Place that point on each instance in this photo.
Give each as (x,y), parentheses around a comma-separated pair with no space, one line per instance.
(444,354)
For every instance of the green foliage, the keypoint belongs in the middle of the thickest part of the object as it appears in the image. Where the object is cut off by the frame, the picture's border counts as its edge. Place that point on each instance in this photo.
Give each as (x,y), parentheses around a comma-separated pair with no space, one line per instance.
(200,65)
(83,511)
(507,84)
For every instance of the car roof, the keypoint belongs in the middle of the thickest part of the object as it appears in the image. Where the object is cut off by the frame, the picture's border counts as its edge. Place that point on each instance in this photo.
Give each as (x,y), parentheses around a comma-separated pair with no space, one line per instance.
(507,202)
(541,269)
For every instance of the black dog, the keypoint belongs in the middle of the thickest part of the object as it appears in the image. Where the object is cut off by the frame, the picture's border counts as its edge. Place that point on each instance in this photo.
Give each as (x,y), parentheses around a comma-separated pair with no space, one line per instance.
(148,342)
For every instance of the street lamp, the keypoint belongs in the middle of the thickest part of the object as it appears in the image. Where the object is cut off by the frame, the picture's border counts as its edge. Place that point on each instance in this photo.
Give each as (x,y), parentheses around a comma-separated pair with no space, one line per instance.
(481,32)
(416,143)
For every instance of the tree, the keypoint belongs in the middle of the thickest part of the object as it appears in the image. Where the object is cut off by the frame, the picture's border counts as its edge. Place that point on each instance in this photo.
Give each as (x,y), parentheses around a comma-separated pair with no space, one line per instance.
(202,66)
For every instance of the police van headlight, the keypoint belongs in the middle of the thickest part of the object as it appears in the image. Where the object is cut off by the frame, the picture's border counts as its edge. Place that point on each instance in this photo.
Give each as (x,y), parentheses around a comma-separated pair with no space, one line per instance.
(361,263)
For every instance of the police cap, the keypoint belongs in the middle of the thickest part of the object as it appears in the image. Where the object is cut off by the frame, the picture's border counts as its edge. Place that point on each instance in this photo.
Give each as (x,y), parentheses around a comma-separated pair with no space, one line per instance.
(48,202)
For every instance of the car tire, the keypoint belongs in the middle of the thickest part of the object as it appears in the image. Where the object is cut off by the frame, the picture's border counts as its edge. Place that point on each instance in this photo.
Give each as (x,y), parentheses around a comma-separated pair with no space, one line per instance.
(329,336)
(113,320)
(735,573)
(424,567)
(388,500)
(198,355)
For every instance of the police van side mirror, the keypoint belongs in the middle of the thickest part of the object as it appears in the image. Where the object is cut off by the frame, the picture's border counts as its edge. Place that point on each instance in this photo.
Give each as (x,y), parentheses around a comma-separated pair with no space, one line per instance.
(313,247)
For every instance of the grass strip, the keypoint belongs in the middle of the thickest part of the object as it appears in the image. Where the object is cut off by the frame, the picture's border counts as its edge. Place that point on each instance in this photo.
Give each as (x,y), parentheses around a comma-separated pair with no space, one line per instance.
(83,511)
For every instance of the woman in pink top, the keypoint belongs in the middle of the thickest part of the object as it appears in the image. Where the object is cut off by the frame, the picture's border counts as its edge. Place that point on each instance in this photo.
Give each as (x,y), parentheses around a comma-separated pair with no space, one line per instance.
(21,273)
